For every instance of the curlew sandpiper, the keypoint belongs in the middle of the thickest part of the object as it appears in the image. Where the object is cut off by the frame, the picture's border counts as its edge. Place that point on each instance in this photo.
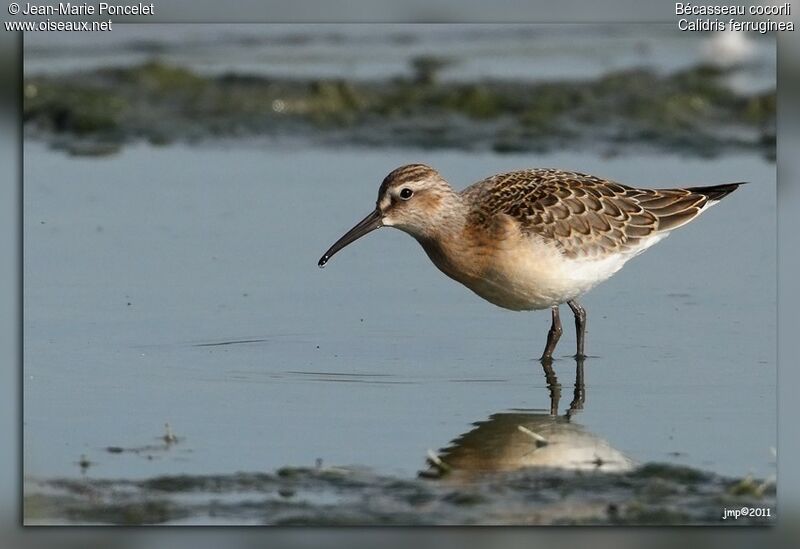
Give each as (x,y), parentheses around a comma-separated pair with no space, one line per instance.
(531,239)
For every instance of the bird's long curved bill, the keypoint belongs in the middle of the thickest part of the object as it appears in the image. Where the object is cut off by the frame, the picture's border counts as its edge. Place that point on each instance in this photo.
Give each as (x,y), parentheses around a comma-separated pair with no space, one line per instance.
(367,225)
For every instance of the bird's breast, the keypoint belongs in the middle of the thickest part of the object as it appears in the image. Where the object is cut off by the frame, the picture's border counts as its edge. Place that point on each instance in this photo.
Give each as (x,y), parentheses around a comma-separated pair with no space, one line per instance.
(517,272)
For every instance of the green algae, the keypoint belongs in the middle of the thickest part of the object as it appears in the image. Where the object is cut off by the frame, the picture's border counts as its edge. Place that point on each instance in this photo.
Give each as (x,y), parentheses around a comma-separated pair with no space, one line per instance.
(692,111)
(74,109)
(747,487)
(156,78)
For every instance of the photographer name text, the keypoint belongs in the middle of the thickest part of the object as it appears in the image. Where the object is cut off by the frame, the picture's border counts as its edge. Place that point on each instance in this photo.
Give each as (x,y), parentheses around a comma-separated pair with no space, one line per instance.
(83,8)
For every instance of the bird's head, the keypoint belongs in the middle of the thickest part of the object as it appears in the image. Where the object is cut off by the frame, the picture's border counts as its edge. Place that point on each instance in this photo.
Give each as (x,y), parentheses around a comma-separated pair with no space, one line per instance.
(412,198)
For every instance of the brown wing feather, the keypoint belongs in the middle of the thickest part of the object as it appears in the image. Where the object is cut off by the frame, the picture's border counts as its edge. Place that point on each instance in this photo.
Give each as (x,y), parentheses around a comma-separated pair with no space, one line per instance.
(584,215)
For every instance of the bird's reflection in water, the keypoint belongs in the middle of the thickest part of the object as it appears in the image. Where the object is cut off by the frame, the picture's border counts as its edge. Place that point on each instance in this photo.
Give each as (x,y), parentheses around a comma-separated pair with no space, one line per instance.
(514,440)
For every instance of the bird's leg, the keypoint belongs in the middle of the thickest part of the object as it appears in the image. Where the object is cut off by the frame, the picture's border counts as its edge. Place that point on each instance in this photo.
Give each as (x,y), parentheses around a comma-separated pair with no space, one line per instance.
(553,335)
(580,325)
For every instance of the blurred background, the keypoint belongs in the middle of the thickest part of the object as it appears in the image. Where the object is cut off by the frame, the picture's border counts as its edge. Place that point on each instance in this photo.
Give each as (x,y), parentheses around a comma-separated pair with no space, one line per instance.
(312,117)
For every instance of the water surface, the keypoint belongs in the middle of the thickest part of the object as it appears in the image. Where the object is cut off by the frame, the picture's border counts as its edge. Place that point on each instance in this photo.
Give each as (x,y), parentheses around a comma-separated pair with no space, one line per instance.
(180,285)
(529,52)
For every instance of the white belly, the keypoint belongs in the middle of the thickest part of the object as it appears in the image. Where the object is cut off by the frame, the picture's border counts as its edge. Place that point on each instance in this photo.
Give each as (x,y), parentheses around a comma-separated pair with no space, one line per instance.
(539,277)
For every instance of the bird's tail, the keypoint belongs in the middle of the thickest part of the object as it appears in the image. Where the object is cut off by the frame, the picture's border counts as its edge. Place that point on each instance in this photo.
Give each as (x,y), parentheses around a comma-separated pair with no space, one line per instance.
(716,193)
(676,207)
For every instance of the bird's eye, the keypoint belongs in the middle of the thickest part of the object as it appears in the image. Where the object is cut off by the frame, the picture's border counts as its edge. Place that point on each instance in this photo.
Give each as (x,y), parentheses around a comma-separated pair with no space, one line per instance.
(406,193)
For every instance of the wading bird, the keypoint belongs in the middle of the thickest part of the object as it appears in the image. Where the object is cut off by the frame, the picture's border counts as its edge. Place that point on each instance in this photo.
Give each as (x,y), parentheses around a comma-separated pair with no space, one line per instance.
(531,239)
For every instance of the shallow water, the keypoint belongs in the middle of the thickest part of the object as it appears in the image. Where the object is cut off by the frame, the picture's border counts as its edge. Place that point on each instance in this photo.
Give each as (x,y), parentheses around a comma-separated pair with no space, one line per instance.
(180,285)
(356,51)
